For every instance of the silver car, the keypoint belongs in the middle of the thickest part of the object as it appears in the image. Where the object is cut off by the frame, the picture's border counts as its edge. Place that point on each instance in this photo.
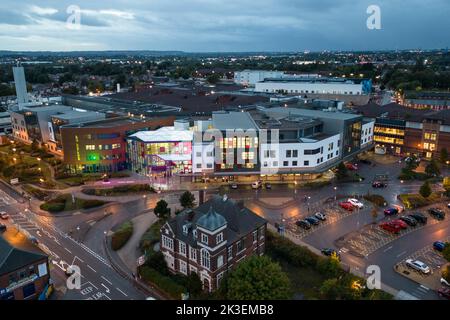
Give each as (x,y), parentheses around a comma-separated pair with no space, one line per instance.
(418,265)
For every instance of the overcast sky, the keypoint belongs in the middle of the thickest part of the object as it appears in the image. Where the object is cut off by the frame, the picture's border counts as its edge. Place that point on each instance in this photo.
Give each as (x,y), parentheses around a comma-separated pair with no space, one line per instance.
(223,25)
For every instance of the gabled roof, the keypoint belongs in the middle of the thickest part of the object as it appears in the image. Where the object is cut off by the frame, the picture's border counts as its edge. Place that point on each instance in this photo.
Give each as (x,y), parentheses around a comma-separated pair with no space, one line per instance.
(16,251)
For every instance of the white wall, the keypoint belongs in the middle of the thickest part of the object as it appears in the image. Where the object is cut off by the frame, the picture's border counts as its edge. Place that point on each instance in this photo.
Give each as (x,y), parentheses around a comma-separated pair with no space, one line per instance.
(277,162)
(367,133)
(309,87)
(251,77)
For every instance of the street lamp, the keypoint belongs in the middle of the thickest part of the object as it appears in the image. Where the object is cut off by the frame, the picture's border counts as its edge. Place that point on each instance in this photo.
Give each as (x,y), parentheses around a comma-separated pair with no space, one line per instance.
(335,193)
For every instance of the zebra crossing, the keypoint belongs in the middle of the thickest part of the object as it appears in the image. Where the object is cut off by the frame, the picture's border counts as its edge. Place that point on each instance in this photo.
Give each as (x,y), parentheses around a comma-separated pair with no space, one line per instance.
(5,199)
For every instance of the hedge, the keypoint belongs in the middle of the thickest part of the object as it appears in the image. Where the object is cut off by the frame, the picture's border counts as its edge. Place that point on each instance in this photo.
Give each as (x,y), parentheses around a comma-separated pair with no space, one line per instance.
(64,202)
(164,283)
(118,190)
(122,235)
(413,200)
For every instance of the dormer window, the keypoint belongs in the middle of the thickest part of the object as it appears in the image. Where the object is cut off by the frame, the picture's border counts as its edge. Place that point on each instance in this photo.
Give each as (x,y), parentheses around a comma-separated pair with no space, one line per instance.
(185,229)
(194,233)
(219,238)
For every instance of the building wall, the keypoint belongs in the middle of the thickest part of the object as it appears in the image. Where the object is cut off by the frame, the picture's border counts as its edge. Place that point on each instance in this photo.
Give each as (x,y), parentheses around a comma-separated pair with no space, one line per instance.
(367,133)
(29,271)
(203,157)
(308,87)
(81,145)
(251,77)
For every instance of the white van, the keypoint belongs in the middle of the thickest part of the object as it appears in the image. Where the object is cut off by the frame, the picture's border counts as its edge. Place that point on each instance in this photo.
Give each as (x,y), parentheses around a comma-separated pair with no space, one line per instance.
(257,184)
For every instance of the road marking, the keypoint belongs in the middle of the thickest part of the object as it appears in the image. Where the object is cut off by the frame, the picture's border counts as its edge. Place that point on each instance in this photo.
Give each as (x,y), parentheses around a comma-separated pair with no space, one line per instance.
(106,280)
(91,268)
(122,292)
(422,286)
(399,255)
(68,250)
(106,288)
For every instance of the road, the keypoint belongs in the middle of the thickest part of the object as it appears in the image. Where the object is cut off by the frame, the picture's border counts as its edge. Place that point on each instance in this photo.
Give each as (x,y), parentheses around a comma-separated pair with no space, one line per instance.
(99,280)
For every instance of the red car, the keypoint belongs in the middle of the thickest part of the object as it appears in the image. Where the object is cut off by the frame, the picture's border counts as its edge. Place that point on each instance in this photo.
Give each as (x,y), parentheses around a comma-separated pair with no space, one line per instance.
(444,293)
(400,223)
(393,228)
(346,205)
(351,166)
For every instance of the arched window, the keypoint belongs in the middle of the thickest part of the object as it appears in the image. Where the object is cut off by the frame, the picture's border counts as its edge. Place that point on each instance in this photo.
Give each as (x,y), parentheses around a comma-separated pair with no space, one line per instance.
(205,258)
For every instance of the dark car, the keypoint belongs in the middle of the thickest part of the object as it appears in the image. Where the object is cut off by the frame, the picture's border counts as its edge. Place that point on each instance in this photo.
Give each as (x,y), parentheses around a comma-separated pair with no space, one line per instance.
(303,224)
(419,217)
(409,220)
(365,161)
(437,213)
(444,293)
(313,220)
(439,246)
(379,184)
(268,186)
(390,211)
(329,252)
(2,227)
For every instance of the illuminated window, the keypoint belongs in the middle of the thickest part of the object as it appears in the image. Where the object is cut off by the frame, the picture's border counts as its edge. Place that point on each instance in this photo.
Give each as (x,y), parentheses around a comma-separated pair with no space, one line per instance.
(90,147)
(426,146)
(433,137)
(116,146)
(432,147)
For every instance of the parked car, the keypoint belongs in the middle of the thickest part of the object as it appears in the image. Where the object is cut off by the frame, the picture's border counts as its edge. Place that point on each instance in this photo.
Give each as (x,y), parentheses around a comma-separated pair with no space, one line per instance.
(439,246)
(390,227)
(409,220)
(351,166)
(445,282)
(2,227)
(410,159)
(328,252)
(437,213)
(390,211)
(303,224)
(346,205)
(418,265)
(419,217)
(444,293)
(356,203)
(321,216)
(379,184)
(267,185)
(256,184)
(448,205)
(399,208)
(234,186)
(313,221)
(400,223)
(4,215)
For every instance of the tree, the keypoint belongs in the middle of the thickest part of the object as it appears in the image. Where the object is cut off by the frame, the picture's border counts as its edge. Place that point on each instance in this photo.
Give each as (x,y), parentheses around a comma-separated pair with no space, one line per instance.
(329,266)
(156,261)
(341,171)
(35,145)
(258,278)
(425,190)
(432,169)
(213,78)
(446,253)
(443,156)
(330,289)
(161,209)
(194,284)
(187,200)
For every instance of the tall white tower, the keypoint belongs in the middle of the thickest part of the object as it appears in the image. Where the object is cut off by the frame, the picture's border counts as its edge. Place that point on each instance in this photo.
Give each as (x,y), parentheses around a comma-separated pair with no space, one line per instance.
(21,86)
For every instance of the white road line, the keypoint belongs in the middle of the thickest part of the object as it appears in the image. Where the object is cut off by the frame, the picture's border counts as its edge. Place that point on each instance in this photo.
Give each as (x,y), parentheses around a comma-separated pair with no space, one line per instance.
(122,292)
(106,280)
(91,268)
(68,250)
(399,255)
(387,249)
(422,286)
(106,288)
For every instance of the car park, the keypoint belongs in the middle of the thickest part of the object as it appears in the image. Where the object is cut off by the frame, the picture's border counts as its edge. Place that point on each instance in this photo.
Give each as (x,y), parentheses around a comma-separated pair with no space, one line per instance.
(418,265)
(321,216)
(346,205)
(390,227)
(303,224)
(329,252)
(268,185)
(410,221)
(400,223)
(439,246)
(444,293)
(69,271)
(437,213)
(390,211)
(234,186)
(356,203)
(256,184)
(379,184)
(2,227)
(313,221)
(419,217)
(4,215)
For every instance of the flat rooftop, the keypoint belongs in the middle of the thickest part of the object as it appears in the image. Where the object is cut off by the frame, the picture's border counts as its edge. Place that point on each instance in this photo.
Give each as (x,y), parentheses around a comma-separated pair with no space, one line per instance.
(338,115)
(223,120)
(73,114)
(107,123)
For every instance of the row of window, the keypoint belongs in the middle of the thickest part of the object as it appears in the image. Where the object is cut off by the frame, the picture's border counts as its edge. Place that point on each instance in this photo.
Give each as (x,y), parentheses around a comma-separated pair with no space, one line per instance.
(306,163)
(113,146)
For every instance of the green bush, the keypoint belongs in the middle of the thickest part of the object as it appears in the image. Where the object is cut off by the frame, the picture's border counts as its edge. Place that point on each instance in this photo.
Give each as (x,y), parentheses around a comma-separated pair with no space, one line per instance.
(151,236)
(118,190)
(376,199)
(53,207)
(122,235)
(164,283)
(87,204)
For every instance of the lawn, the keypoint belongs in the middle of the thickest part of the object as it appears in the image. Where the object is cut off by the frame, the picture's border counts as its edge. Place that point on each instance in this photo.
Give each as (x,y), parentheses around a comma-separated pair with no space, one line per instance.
(119,190)
(413,200)
(64,202)
(151,236)
(122,235)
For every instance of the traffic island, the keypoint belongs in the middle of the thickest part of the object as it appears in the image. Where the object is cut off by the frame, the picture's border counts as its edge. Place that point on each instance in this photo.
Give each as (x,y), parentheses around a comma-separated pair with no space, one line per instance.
(429,281)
